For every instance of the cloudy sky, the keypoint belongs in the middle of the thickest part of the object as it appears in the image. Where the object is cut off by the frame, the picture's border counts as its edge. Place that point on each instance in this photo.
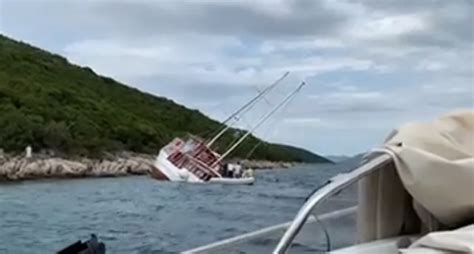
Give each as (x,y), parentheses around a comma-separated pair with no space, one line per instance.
(369,65)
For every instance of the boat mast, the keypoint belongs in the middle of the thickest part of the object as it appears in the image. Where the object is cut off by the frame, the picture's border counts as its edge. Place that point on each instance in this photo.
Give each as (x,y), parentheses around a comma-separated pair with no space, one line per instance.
(265,118)
(259,142)
(247,106)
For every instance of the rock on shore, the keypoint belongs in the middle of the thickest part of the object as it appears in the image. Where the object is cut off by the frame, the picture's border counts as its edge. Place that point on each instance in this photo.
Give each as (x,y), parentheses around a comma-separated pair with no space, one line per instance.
(20,168)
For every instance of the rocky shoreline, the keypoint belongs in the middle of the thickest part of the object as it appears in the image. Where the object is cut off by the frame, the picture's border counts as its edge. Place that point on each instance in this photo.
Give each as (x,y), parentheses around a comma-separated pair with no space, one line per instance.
(14,168)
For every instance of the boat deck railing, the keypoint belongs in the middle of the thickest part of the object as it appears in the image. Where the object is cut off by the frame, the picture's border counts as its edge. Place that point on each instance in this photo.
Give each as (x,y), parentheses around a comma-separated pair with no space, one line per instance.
(304,215)
(336,185)
(224,245)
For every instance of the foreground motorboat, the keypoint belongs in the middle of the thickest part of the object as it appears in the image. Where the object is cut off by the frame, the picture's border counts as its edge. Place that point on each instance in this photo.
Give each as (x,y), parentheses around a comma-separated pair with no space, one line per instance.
(415,195)
(193,159)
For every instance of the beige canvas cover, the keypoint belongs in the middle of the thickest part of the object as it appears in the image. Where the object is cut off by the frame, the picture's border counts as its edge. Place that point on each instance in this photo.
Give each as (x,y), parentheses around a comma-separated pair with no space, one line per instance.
(430,185)
(452,241)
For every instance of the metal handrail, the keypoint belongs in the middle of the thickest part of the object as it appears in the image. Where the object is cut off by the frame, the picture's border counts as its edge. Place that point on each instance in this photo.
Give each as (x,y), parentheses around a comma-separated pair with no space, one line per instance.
(226,243)
(337,184)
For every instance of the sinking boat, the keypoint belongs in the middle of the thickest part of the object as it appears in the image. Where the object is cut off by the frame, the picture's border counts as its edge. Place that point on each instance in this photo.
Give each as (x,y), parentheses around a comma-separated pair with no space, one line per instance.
(193,159)
(415,195)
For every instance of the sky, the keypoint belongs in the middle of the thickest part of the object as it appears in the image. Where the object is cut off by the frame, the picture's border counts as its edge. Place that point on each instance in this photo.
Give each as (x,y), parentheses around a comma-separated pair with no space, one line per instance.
(370,66)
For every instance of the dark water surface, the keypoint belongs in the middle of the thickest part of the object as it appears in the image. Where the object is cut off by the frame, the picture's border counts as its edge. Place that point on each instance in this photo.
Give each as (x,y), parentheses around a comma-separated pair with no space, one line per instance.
(141,215)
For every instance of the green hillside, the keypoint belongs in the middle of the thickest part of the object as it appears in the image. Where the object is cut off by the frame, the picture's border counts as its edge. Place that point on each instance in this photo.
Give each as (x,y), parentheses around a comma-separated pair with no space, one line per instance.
(51,104)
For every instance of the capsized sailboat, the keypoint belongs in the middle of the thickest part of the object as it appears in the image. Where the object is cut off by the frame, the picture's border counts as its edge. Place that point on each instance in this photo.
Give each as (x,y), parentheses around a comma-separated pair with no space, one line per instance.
(193,159)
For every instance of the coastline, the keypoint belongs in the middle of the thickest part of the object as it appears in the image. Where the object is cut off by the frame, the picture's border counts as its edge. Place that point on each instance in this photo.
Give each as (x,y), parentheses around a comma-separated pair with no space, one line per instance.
(17,168)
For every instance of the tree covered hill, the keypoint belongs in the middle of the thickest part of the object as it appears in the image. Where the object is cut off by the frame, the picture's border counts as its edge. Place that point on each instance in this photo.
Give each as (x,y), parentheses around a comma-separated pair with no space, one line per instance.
(51,104)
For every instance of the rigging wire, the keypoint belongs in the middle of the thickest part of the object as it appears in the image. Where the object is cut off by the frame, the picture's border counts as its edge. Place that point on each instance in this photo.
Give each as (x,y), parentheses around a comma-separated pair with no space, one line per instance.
(264,118)
(249,126)
(246,108)
(275,119)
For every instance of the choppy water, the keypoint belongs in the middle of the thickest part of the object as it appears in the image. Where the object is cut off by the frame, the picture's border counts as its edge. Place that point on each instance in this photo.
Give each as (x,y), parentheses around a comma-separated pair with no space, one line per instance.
(140,215)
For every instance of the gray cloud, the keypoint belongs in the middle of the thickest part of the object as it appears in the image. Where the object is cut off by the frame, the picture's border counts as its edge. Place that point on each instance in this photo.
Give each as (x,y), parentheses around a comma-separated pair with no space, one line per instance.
(405,6)
(199,93)
(392,60)
(227,18)
(142,18)
(449,24)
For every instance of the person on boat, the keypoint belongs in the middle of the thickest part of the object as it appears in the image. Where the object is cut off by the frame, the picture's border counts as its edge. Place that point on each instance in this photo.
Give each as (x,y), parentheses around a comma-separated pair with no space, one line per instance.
(230,170)
(223,170)
(238,170)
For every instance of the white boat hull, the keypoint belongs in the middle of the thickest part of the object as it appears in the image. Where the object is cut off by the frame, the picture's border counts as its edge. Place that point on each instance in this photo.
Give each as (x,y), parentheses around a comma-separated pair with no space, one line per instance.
(233,181)
(165,170)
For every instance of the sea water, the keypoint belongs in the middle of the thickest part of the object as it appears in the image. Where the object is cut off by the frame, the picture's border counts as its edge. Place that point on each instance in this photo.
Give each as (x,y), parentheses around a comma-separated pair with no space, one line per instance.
(137,214)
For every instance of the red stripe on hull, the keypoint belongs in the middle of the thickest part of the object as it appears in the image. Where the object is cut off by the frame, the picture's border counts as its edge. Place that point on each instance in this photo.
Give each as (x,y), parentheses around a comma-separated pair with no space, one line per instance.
(158,175)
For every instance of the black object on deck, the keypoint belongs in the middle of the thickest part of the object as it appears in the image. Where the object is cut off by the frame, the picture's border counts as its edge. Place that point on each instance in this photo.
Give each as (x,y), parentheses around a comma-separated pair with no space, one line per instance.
(91,246)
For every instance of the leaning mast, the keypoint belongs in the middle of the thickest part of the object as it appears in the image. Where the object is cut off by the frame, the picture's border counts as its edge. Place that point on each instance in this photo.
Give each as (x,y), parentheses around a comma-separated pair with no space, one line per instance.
(246,107)
(264,119)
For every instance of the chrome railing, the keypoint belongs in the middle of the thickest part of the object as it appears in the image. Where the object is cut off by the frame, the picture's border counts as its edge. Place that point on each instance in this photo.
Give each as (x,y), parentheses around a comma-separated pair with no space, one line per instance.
(336,184)
(223,246)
